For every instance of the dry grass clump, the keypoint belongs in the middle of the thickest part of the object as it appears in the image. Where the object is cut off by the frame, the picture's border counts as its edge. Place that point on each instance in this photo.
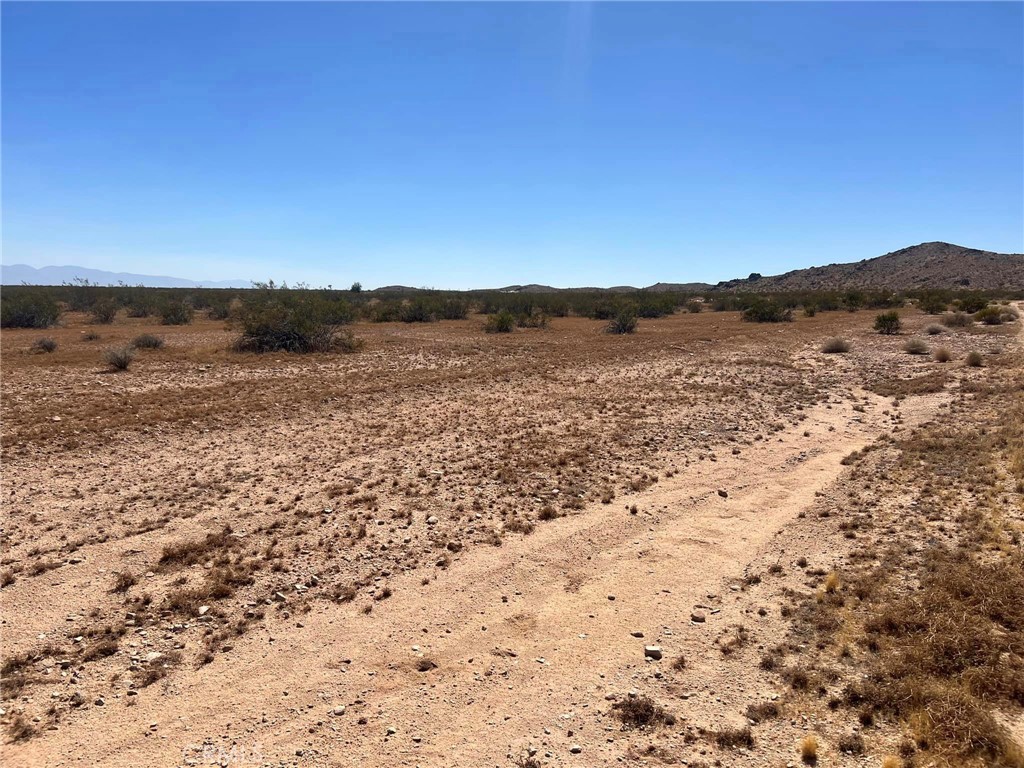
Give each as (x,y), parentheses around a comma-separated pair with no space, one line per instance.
(119,358)
(836,346)
(809,749)
(191,551)
(942,355)
(734,737)
(766,710)
(45,345)
(915,347)
(956,320)
(934,330)
(641,712)
(974,360)
(147,341)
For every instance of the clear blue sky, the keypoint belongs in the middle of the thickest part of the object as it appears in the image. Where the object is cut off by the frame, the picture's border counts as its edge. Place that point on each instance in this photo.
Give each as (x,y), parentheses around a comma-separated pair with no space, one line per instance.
(476,145)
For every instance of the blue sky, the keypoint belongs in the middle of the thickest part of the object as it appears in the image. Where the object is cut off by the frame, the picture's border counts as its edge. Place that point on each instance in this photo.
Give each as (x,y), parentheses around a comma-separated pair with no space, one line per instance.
(476,145)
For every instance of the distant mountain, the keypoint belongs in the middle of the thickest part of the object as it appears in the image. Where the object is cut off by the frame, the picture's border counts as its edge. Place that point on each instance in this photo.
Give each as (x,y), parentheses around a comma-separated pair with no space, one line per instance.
(679,287)
(16,274)
(928,265)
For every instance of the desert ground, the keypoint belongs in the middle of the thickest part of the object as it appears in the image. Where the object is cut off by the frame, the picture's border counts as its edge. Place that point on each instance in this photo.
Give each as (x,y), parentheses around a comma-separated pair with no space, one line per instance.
(461,549)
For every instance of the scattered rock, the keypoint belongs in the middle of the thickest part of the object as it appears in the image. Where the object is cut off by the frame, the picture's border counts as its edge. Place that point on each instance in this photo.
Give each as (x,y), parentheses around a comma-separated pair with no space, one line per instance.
(652,652)
(723,493)
(698,617)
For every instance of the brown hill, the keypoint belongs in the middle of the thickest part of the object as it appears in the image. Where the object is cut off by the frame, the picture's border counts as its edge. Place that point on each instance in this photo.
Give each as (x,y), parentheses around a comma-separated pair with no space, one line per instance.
(928,265)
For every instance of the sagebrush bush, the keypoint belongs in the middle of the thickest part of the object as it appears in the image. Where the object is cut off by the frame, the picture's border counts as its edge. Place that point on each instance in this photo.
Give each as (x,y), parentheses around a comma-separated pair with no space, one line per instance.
(915,347)
(836,345)
(281,321)
(943,355)
(624,322)
(694,307)
(46,345)
(888,323)
(974,360)
(147,341)
(119,358)
(27,309)
(502,322)
(934,330)
(956,320)
(176,313)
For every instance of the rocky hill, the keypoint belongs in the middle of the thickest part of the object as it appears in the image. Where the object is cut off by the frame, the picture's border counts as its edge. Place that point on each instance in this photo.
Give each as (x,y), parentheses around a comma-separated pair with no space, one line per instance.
(928,265)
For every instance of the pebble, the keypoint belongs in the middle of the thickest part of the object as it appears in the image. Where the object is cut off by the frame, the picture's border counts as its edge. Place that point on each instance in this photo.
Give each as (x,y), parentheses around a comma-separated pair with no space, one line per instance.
(652,652)
(575,749)
(698,617)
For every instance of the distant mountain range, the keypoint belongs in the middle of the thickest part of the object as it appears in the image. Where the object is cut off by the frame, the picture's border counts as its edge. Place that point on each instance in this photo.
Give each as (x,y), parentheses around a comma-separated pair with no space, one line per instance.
(16,274)
(928,265)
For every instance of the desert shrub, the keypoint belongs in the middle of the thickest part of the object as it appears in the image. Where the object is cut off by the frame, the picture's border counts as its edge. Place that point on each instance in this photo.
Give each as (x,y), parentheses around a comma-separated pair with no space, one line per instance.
(735,737)
(694,307)
(147,341)
(103,311)
(641,712)
(915,347)
(888,323)
(91,336)
(416,311)
(971,303)
(279,321)
(934,330)
(139,309)
(119,358)
(836,345)
(176,313)
(767,311)
(45,344)
(624,322)
(534,319)
(27,309)
(502,322)
(991,315)
(942,355)
(453,309)
(933,303)
(974,360)
(956,320)
(810,310)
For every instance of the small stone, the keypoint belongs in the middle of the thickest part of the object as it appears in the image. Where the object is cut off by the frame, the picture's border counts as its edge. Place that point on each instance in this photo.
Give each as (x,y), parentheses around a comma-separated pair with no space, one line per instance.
(723,493)
(698,617)
(203,610)
(99,702)
(652,652)
(575,749)
(392,730)
(339,710)
(637,633)
(611,597)
(432,520)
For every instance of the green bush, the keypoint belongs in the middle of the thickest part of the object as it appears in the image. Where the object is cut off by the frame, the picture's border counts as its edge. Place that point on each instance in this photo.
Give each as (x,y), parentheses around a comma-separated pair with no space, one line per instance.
(281,321)
(176,313)
(624,322)
(416,311)
(27,309)
(103,311)
(888,323)
(933,303)
(694,307)
(502,322)
(535,319)
(767,311)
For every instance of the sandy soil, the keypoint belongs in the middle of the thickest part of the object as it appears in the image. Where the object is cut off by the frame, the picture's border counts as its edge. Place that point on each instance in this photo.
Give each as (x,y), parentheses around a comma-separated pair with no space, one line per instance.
(450,549)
